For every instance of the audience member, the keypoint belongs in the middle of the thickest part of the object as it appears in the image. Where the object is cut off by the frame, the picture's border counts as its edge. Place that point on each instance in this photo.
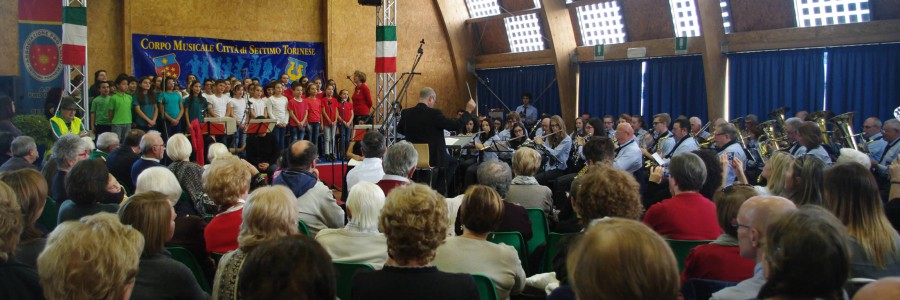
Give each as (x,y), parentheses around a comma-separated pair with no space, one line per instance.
(721,259)
(270,213)
(189,176)
(119,162)
(524,189)
(598,151)
(481,213)
(24,152)
(687,215)
(19,280)
(399,164)
(160,276)
(413,213)
(884,288)
(30,190)
(67,151)
(359,241)
(263,152)
(91,190)
(107,142)
(370,170)
(497,175)
(216,152)
(95,257)
(712,184)
(803,181)
(289,267)
(152,150)
(806,256)
(317,205)
(752,223)
(227,182)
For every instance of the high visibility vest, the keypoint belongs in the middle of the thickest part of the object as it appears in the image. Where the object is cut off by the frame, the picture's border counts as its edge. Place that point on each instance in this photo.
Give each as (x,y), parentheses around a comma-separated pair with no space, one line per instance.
(63,129)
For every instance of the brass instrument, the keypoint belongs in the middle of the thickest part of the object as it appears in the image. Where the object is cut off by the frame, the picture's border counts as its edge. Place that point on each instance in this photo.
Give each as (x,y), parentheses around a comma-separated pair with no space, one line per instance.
(778,115)
(650,161)
(864,145)
(821,119)
(844,127)
(702,129)
(771,140)
(736,122)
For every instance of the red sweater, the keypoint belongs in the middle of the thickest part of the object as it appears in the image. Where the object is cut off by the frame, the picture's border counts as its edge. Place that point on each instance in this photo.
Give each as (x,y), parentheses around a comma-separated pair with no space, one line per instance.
(222,232)
(329,110)
(299,109)
(346,110)
(388,185)
(717,262)
(686,216)
(315,109)
(362,100)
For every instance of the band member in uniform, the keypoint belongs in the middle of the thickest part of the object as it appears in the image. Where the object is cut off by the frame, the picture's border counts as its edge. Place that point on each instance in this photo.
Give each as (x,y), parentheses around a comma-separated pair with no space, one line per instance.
(874,143)
(557,147)
(728,145)
(628,154)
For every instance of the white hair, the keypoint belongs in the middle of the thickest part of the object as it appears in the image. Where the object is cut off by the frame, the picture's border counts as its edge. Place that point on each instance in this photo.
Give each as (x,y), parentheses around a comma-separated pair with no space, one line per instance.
(364,203)
(178,147)
(88,143)
(159,179)
(853,156)
(106,140)
(218,151)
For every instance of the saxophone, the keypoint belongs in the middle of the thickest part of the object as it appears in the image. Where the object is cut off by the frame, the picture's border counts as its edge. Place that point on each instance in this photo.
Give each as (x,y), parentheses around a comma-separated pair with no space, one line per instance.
(650,161)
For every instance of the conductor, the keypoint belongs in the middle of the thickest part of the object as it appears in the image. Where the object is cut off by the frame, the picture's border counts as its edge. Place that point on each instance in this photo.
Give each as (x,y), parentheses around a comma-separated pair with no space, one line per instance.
(424,124)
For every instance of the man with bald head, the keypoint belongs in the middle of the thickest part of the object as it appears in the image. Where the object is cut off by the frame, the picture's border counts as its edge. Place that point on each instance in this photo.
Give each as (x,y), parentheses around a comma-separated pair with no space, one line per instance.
(628,155)
(752,221)
(318,208)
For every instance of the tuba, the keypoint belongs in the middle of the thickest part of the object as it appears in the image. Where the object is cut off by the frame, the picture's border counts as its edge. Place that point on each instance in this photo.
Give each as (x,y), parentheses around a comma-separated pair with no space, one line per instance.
(770,140)
(821,119)
(844,128)
(736,122)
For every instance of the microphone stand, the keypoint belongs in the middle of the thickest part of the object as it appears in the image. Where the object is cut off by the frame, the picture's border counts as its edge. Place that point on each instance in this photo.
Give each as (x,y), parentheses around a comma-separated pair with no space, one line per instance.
(492,92)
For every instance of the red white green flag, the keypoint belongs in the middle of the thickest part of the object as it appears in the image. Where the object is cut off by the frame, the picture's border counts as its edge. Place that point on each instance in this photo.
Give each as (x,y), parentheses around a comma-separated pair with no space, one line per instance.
(74,45)
(386,49)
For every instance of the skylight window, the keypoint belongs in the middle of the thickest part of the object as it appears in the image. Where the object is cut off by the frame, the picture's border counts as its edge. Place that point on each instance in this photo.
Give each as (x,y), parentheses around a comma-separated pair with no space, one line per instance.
(726,15)
(524,33)
(601,23)
(684,15)
(482,8)
(830,12)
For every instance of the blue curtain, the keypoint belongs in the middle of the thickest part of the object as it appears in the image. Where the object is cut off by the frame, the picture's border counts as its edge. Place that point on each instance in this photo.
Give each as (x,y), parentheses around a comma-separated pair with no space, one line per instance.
(610,88)
(510,83)
(763,81)
(675,86)
(864,80)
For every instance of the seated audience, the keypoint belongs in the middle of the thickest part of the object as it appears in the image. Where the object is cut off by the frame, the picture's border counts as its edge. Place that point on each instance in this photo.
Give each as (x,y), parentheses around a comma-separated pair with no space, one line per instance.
(622,244)
(775,172)
(413,213)
(263,152)
(712,184)
(851,194)
(107,142)
(31,193)
(721,259)
(160,276)
(227,183)
(687,215)
(497,175)
(359,241)
(289,267)
(19,280)
(119,162)
(152,150)
(270,213)
(370,170)
(524,189)
(24,153)
(399,164)
(95,257)
(598,151)
(752,222)
(91,190)
(318,207)
(189,175)
(804,184)
(807,255)
(67,151)
(481,213)
(216,152)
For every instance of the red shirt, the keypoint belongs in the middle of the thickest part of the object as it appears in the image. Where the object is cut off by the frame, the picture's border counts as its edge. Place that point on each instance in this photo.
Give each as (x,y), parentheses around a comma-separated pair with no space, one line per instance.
(299,109)
(717,262)
(686,216)
(346,109)
(329,106)
(222,232)
(288,93)
(315,109)
(362,100)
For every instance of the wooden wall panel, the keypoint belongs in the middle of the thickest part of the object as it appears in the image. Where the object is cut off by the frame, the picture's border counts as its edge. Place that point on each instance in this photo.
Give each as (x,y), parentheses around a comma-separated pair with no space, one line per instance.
(752,15)
(647,19)
(655,48)
(490,37)
(516,5)
(9,38)
(105,47)
(884,9)
(351,42)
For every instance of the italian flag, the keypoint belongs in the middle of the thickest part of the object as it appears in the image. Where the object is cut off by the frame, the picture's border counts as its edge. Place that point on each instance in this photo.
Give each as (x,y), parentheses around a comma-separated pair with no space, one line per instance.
(74,48)
(386,49)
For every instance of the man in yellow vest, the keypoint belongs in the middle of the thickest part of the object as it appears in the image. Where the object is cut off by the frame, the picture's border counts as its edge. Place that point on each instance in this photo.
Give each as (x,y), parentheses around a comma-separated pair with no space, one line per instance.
(65,121)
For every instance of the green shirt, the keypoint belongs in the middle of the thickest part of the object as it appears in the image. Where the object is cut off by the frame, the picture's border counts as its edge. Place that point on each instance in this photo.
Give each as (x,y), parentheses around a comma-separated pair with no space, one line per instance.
(196,106)
(100,107)
(120,104)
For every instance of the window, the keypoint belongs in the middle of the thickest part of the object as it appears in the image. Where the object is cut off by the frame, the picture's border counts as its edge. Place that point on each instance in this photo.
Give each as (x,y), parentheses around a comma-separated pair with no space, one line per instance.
(684,15)
(482,8)
(726,15)
(524,33)
(601,23)
(830,12)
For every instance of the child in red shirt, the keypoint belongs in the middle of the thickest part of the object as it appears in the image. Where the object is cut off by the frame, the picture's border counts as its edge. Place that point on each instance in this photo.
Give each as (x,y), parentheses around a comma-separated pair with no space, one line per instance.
(329,120)
(315,112)
(299,113)
(345,119)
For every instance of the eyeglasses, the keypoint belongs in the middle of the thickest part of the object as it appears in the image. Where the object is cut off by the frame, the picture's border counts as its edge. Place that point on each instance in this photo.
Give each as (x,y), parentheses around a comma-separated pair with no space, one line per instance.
(735,224)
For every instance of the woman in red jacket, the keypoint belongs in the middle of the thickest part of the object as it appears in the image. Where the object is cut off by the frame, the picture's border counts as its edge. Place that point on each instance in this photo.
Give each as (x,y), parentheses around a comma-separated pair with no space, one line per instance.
(362,98)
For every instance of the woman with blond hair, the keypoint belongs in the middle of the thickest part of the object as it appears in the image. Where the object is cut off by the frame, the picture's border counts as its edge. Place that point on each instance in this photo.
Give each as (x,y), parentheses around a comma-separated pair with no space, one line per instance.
(558,144)
(270,213)
(851,194)
(20,281)
(774,172)
(160,276)
(30,190)
(524,188)
(227,182)
(481,213)
(359,241)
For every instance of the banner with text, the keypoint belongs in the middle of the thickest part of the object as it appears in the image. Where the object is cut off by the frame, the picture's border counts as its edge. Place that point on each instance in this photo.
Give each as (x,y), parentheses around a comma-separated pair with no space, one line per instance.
(40,45)
(178,57)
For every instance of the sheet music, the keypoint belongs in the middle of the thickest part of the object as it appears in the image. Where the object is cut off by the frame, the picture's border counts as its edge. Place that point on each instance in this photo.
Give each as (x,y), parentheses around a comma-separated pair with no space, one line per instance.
(659,160)
(450,140)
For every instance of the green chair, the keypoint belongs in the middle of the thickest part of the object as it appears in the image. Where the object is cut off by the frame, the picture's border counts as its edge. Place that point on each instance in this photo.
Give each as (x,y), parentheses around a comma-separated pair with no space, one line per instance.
(185,257)
(301,226)
(552,249)
(208,219)
(486,288)
(514,239)
(681,248)
(50,216)
(344,272)
(539,228)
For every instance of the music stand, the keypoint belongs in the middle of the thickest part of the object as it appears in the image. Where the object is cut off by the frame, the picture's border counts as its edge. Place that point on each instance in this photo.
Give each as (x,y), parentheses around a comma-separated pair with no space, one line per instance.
(257,126)
(218,126)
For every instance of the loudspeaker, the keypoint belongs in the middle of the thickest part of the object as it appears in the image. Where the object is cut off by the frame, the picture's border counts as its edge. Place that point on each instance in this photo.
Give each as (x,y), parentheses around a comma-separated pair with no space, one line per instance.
(370,2)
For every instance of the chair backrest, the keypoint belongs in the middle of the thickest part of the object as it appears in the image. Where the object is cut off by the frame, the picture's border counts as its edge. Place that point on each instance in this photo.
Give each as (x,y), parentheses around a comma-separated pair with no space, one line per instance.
(424,157)
(539,228)
(514,239)
(551,250)
(302,228)
(344,272)
(696,288)
(682,248)
(185,257)
(50,216)
(486,288)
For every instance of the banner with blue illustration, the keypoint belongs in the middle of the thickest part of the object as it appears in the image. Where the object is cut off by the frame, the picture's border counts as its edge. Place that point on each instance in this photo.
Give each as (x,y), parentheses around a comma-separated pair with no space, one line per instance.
(40,53)
(179,56)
